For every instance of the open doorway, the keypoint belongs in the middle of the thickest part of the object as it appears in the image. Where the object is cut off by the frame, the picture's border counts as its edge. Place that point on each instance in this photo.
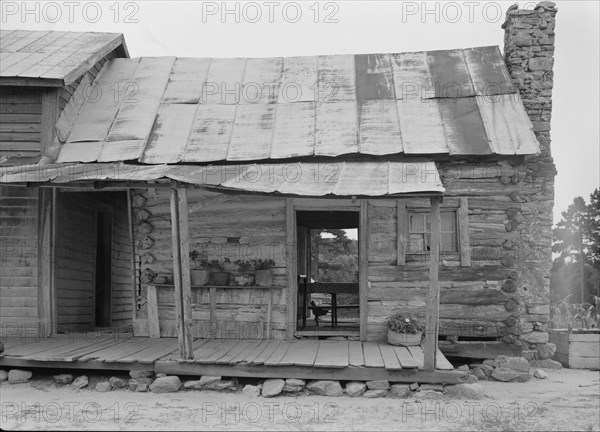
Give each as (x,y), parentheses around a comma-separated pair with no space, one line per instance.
(328,283)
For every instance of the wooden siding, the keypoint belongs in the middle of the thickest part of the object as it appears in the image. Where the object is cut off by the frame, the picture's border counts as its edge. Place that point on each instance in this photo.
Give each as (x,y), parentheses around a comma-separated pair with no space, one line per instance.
(20,121)
(18,260)
(76,259)
(233,226)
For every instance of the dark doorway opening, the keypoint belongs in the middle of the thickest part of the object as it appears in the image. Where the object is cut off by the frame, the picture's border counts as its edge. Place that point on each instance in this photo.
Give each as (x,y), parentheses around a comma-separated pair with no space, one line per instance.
(102,304)
(328,288)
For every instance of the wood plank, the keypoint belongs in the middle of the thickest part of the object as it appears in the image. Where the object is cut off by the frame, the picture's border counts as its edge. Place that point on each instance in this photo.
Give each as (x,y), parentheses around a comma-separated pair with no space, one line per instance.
(301,353)
(355,354)
(152,308)
(441,362)
(206,349)
(405,357)
(250,357)
(243,355)
(125,349)
(72,356)
(61,352)
(390,360)
(128,346)
(402,231)
(363,266)
(175,233)
(417,353)
(278,354)
(266,353)
(186,285)
(291,268)
(43,345)
(225,347)
(432,311)
(233,353)
(332,354)
(148,355)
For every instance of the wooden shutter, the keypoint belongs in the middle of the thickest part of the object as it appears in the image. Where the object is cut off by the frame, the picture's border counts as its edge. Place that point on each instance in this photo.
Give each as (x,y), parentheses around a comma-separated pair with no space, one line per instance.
(402,231)
(463,233)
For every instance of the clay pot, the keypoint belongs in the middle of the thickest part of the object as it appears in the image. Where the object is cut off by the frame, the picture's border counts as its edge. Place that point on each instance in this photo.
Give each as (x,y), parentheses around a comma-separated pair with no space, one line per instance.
(199,277)
(264,277)
(220,278)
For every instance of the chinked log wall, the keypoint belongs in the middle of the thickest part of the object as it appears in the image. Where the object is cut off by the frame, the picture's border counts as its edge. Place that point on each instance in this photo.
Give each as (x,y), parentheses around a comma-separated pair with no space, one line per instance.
(232,226)
(488,297)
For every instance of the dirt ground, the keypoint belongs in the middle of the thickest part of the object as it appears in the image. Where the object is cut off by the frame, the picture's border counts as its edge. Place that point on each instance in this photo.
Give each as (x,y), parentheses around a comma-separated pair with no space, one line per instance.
(567,400)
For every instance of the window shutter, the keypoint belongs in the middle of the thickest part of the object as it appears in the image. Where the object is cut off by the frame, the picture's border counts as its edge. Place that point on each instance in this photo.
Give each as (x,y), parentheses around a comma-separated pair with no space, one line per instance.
(402,242)
(463,232)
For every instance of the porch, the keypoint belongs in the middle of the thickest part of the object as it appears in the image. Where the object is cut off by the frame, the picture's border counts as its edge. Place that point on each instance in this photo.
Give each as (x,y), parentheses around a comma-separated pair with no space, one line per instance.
(305,359)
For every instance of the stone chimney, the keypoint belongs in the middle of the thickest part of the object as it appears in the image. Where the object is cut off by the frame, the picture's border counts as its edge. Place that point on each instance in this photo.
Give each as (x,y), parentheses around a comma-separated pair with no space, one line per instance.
(529,56)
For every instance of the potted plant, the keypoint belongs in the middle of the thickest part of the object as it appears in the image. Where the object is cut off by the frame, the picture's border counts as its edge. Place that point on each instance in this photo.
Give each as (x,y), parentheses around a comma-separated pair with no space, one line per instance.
(404,330)
(219,276)
(200,274)
(246,276)
(264,275)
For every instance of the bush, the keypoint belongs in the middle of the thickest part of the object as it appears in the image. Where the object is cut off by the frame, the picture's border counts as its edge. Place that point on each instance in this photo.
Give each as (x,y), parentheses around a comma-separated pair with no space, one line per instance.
(400,323)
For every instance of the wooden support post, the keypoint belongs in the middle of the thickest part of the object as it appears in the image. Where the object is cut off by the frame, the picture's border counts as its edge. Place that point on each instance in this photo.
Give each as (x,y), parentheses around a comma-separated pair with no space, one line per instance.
(291,251)
(433,291)
(183,335)
(269,313)
(46,248)
(152,306)
(213,310)
(363,267)
(186,284)
(134,269)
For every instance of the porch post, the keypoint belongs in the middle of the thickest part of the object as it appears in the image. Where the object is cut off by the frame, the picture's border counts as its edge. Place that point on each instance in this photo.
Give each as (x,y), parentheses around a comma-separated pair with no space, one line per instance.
(433,291)
(181,269)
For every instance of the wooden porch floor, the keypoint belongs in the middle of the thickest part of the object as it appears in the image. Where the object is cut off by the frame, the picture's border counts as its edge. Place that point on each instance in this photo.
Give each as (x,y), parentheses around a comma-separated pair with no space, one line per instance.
(309,359)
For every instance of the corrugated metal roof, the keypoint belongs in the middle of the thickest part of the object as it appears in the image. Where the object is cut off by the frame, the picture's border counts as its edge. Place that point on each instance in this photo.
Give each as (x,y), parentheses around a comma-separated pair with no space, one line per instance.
(59,58)
(170,110)
(305,179)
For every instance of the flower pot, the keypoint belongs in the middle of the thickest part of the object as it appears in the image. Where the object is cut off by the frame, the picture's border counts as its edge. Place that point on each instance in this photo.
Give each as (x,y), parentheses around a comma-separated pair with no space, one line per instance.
(244,280)
(199,277)
(264,277)
(220,278)
(404,339)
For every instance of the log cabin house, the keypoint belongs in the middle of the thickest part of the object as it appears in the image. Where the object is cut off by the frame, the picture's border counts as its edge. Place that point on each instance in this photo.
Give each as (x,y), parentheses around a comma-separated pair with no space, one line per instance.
(115,168)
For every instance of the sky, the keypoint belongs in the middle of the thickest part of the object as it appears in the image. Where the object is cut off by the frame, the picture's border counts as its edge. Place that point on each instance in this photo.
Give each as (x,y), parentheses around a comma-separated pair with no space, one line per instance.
(283,28)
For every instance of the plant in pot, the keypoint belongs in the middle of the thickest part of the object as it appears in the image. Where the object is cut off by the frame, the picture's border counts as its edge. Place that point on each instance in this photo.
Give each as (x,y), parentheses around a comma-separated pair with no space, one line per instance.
(404,330)
(246,276)
(219,276)
(264,275)
(200,274)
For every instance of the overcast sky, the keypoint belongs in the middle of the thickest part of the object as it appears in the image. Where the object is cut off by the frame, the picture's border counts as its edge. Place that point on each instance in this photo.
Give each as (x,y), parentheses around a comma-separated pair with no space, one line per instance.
(280,28)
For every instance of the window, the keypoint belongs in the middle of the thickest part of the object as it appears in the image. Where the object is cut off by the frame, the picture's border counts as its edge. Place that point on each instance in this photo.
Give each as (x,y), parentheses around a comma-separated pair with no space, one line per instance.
(420,232)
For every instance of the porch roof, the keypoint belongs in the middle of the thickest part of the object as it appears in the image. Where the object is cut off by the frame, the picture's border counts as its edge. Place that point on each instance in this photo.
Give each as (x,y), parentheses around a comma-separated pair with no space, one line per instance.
(305,179)
(168,110)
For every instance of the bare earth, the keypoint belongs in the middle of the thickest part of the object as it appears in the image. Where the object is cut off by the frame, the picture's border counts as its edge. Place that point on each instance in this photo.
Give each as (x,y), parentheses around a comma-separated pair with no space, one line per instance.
(557,403)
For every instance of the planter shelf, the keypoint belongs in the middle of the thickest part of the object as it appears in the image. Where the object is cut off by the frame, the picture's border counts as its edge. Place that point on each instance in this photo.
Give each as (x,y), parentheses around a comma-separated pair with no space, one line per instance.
(577,349)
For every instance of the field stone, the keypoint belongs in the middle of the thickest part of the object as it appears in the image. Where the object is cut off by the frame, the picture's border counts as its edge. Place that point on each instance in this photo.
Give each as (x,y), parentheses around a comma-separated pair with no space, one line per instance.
(546,351)
(540,374)
(19,376)
(63,379)
(103,387)
(506,375)
(479,374)
(192,385)
(251,390)
(272,387)
(168,384)
(80,382)
(429,394)
(117,382)
(325,388)
(371,394)
(378,385)
(141,374)
(3,375)
(467,391)
(519,364)
(140,385)
(434,387)
(221,385)
(400,390)
(413,386)
(355,388)
(545,364)
(293,385)
(207,379)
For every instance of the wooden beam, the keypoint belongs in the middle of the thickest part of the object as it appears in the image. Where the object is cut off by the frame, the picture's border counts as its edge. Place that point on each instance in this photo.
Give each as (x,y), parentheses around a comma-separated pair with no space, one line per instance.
(433,291)
(463,232)
(50,113)
(130,223)
(152,306)
(177,271)
(291,251)
(186,285)
(402,231)
(363,267)
(46,248)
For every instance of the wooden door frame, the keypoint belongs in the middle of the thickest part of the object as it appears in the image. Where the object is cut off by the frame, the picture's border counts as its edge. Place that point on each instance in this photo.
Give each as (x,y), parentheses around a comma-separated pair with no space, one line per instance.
(108,210)
(320,204)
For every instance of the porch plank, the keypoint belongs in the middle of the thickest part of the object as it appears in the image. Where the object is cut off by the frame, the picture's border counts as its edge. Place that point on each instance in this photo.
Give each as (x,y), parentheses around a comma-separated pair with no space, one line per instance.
(301,353)
(69,352)
(355,354)
(256,351)
(37,347)
(441,362)
(372,355)
(417,353)
(277,355)
(390,359)
(158,349)
(208,347)
(405,357)
(333,354)
(125,349)
(119,348)
(224,348)
(238,348)
(251,346)
(266,353)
